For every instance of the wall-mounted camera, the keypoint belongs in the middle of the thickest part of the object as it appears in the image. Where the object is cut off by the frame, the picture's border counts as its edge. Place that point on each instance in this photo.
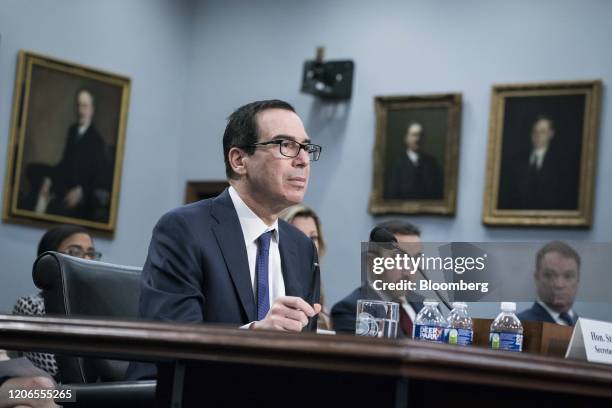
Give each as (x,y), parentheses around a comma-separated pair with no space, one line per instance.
(329,79)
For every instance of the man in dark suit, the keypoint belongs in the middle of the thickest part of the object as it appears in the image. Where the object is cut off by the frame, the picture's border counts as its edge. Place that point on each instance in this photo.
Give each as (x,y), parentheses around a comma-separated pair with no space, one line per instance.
(344,313)
(417,175)
(540,179)
(557,275)
(230,260)
(70,188)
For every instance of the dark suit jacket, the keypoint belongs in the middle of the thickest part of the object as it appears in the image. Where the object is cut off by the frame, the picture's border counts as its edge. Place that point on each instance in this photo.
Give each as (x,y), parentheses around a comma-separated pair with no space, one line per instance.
(344,313)
(537,314)
(84,163)
(550,187)
(197,268)
(408,181)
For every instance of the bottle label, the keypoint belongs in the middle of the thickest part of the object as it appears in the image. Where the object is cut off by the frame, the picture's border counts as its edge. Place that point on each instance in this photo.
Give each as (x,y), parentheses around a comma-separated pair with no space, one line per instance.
(506,341)
(461,337)
(429,333)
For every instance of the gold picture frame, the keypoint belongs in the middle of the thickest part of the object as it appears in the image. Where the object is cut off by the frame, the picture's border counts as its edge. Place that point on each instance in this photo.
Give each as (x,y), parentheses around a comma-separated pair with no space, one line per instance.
(66,144)
(426,182)
(541,154)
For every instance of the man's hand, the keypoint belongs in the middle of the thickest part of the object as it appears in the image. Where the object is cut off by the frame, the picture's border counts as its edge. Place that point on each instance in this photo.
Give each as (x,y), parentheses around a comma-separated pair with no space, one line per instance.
(288,313)
(73,197)
(44,196)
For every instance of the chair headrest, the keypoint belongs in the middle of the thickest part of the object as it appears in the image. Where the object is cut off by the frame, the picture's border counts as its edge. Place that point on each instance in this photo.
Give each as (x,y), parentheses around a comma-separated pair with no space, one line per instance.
(75,286)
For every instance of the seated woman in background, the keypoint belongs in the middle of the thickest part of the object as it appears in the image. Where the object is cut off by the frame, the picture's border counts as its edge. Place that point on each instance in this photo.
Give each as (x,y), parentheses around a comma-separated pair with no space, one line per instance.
(307,221)
(67,239)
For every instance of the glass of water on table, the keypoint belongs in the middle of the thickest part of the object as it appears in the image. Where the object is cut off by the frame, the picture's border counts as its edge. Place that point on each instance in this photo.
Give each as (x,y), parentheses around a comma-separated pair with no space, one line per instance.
(377,318)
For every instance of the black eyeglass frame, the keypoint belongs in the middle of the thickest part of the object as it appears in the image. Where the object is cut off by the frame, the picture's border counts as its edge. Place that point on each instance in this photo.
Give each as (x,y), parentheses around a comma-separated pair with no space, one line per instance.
(313,154)
(79,253)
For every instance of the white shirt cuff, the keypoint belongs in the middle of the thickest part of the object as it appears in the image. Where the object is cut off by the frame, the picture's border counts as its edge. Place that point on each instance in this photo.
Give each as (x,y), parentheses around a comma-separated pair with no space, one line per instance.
(247,326)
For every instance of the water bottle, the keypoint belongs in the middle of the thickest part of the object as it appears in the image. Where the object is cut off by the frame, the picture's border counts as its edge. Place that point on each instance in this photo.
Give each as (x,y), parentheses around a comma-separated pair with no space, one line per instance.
(460,328)
(506,330)
(430,325)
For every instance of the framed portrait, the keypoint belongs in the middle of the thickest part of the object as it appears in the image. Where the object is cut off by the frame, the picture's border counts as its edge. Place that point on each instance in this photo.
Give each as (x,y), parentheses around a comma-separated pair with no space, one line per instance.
(200,190)
(416,154)
(541,154)
(66,144)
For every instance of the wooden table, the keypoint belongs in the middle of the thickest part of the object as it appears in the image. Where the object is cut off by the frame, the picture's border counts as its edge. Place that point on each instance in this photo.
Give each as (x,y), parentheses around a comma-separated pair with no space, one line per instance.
(229,367)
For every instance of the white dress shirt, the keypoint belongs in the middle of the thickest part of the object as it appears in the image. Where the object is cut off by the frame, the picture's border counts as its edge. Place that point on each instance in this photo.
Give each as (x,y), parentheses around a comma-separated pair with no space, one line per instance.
(413,156)
(537,157)
(82,129)
(252,227)
(555,315)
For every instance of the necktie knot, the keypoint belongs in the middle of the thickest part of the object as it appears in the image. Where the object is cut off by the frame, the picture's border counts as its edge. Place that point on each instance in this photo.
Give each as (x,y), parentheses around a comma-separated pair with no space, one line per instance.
(566,318)
(263,241)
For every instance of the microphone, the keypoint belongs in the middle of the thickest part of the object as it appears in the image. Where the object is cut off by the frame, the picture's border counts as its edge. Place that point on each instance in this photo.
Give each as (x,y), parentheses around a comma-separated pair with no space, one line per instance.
(380,234)
(383,235)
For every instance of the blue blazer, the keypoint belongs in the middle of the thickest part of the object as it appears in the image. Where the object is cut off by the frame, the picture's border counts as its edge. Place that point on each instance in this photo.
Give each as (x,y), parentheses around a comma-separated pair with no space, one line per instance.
(344,313)
(197,268)
(537,314)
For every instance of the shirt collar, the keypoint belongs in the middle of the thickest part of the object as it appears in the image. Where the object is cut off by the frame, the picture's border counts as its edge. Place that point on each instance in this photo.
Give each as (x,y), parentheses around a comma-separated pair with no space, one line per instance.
(252,226)
(540,152)
(553,313)
(413,156)
(83,128)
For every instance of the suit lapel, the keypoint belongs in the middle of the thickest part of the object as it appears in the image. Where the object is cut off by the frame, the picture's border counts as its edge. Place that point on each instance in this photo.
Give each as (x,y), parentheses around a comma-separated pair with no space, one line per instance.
(417,306)
(230,238)
(289,264)
(542,313)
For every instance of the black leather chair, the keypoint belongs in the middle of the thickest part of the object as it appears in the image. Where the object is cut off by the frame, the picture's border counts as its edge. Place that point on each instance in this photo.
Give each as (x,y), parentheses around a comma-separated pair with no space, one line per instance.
(78,287)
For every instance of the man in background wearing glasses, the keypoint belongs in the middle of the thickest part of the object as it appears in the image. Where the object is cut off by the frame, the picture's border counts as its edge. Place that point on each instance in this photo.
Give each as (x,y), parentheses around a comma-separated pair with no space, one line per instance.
(230,259)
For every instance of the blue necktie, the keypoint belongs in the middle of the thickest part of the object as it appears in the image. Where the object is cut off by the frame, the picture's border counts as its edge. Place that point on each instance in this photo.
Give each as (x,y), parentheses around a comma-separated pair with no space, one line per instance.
(566,318)
(261,274)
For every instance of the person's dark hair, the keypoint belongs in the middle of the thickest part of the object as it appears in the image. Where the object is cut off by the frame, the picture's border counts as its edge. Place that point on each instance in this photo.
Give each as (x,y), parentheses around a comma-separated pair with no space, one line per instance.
(241,130)
(395,227)
(560,247)
(400,227)
(55,236)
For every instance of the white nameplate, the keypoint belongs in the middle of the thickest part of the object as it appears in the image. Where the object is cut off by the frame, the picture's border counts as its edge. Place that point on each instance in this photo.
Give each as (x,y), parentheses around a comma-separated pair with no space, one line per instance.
(591,341)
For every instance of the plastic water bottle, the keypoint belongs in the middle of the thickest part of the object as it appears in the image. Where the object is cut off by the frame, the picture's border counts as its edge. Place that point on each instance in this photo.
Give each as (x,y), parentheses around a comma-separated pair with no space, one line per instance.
(506,330)
(430,325)
(460,327)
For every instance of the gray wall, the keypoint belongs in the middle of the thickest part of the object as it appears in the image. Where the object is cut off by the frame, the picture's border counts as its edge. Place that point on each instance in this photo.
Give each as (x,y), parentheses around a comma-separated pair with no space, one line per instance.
(192,63)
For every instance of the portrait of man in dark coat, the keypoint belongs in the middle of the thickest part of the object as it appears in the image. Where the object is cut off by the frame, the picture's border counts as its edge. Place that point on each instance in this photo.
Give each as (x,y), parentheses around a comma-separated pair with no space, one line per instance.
(66,144)
(79,184)
(538,178)
(416,175)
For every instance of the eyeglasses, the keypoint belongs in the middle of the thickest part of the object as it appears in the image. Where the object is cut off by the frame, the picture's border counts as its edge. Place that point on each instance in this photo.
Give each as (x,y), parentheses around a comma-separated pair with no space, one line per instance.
(291,148)
(80,253)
